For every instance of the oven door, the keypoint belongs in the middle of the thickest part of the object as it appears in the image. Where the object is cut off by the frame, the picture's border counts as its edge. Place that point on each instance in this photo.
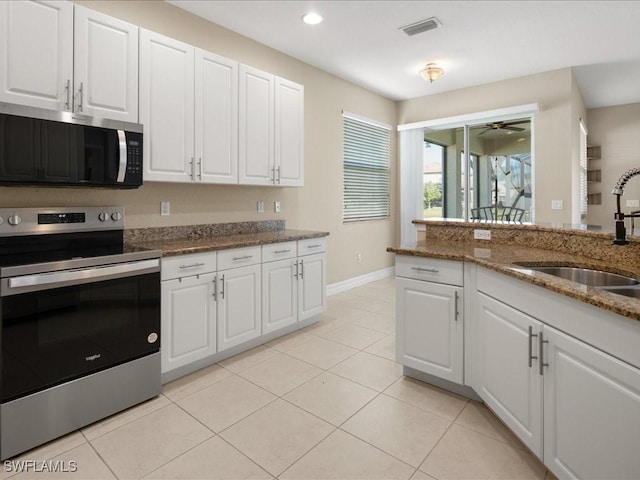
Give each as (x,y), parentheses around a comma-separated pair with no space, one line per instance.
(63,325)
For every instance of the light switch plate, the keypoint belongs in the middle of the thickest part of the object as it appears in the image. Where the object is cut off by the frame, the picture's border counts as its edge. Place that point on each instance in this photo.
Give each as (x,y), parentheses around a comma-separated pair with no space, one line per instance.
(276,207)
(260,206)
(557,204)
(165,208)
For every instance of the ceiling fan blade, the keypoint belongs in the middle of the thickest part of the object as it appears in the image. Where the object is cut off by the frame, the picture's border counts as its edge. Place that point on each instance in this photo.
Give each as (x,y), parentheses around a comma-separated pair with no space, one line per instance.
(514,129)
(484,131)
(517,122)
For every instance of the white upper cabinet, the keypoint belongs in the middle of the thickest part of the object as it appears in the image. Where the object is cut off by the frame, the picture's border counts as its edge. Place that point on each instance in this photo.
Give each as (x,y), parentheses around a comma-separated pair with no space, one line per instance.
(257,118)
(289,133)
(106,66)
(271,119)
(36,51)
(167,107)
(216,123)
(87,64)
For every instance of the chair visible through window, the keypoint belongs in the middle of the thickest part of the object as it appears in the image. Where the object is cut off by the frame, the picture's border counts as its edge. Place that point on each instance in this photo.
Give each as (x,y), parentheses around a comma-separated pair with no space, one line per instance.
(506,214)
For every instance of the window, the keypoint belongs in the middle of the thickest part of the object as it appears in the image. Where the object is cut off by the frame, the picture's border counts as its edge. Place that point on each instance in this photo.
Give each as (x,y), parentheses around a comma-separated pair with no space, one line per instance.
(366,151)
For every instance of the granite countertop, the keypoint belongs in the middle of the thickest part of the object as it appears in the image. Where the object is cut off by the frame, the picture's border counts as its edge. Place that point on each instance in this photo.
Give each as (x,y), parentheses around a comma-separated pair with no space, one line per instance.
(505,259)
(186,245)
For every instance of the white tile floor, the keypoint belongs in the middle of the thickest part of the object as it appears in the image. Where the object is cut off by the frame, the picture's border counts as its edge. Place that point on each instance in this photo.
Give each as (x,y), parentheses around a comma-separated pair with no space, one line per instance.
(327,402)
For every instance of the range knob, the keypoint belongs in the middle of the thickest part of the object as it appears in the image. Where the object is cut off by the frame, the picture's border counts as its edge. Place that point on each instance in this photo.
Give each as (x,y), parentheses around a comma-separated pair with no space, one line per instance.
(103,216)
(115,216)
(14,220)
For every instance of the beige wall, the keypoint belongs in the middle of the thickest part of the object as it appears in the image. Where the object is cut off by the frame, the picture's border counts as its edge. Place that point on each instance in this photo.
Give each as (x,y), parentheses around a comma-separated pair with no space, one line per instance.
(552,143)
(316,206)
(617,131)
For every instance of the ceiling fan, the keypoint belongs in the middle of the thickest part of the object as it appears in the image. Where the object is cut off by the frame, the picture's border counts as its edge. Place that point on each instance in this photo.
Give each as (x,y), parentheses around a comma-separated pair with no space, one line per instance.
(504,126)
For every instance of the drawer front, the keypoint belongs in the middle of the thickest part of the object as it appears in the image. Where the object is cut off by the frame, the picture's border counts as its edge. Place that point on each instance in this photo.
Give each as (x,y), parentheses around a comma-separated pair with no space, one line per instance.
(238,257)
(430,269)
(279,251)
(187,265)
(311,246)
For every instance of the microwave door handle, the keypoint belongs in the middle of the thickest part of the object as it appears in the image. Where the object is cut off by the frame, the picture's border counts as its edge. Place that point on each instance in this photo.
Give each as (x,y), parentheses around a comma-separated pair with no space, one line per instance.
(122,168)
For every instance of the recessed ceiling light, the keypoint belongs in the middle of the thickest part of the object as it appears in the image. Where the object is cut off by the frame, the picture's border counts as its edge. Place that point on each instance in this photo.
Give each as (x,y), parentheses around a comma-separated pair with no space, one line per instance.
(311,18)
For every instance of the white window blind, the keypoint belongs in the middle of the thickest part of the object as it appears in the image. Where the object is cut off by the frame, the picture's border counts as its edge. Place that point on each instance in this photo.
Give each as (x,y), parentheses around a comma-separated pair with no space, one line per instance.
(366,152)
(583,169)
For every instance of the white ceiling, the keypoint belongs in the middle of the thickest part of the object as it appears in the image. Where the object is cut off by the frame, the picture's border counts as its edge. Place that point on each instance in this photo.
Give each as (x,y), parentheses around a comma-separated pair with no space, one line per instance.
(479,42)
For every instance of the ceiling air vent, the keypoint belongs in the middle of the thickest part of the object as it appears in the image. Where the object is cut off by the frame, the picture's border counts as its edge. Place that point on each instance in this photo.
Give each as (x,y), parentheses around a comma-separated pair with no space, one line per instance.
(422,26)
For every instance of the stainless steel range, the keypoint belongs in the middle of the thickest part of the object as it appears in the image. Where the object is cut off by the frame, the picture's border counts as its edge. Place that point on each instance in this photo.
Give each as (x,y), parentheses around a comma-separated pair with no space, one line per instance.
(80,322)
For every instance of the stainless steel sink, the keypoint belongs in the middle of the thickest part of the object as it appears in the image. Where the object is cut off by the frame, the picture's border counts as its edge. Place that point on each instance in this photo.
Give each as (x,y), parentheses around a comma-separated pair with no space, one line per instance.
(586,276)
(626,291)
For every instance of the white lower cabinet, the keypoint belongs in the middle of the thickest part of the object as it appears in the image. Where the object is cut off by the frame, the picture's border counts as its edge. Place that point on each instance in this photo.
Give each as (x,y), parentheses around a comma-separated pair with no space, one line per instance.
(239,314)
(312,298)
(508,368)
(574,406)
(591,411)
(294,287)
(429,318)
(188,320)
(188,309)
(279,294)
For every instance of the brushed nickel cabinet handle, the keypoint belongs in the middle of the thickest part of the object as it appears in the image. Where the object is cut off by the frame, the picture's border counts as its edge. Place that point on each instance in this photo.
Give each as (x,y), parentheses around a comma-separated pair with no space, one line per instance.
(430,270)
(80,94)
(244,257)
(67,89)
(541,354)
(532,357)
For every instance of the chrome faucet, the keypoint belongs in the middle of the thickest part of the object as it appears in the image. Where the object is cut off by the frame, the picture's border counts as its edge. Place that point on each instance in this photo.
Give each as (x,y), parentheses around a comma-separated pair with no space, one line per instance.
(618,190)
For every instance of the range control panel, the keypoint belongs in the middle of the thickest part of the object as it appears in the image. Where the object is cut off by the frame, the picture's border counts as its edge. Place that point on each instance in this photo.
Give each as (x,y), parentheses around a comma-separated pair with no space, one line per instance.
(33,221)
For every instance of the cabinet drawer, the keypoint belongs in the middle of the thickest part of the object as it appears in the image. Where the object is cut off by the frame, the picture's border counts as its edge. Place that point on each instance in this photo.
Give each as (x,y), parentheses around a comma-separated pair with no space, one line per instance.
(238,257)
(430,269)
(278,251)
(311,246)
(188,265)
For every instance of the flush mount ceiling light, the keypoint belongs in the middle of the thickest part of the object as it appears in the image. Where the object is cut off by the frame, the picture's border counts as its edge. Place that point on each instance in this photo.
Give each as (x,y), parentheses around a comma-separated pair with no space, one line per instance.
(431,72)
(311,18)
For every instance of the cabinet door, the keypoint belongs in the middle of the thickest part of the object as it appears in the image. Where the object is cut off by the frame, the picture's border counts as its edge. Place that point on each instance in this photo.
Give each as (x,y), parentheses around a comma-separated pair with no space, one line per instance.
(105,66)
(216,124)
(279,295)
(508,385)
(256,120)
(188,320)
(166,107)
(591,411)
(312,285)
(36,51)
(239,305)
(289,133)
(429,324)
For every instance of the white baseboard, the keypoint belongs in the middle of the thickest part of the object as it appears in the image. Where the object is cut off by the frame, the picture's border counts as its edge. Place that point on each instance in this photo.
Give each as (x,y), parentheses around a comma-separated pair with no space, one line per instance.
(359,281)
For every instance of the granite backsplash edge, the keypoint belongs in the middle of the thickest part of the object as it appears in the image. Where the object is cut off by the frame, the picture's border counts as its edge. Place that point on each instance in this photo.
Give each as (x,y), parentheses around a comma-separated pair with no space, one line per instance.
(152,234)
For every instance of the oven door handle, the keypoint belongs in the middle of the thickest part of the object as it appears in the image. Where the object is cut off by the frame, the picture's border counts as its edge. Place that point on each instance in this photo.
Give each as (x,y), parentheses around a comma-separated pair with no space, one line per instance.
(85,275)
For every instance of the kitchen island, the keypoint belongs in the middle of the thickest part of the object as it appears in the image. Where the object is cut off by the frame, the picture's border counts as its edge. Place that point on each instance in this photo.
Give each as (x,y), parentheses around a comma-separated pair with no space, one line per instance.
(557,361)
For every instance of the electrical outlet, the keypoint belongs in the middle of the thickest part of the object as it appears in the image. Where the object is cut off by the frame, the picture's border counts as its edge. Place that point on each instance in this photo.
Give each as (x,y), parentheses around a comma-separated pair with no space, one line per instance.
(633,203)
(482,234)
(165,208)
(557,204)
(260,206)
(276,207)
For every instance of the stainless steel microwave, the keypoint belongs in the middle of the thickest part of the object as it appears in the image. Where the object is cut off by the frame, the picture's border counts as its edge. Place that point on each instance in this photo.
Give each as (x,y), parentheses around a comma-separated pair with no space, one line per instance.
(41,147)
